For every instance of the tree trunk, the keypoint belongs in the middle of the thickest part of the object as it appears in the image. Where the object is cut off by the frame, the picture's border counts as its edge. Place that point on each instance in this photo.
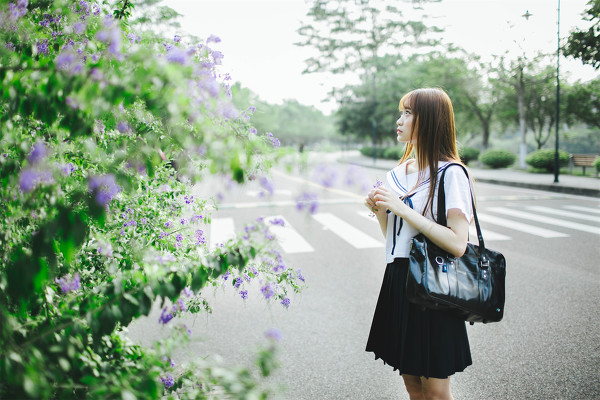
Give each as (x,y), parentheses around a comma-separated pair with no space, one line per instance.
(522,126)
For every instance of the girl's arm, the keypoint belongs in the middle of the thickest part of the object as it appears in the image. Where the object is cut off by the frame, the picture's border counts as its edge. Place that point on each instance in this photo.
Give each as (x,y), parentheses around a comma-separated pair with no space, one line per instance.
(452,238)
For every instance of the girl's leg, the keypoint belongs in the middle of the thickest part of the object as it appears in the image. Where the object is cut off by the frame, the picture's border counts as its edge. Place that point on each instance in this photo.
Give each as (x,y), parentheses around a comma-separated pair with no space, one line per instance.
(413,387)
(436,389)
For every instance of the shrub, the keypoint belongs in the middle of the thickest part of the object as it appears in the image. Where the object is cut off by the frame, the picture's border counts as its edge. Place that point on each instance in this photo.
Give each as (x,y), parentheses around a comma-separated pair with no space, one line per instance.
(468,154)
(368,151)
(393,153)
(498,158)
(544,159)
(597,164)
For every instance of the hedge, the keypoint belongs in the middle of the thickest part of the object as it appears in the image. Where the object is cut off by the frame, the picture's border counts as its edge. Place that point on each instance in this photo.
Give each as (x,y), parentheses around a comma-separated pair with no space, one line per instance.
(544,159)
(498,158)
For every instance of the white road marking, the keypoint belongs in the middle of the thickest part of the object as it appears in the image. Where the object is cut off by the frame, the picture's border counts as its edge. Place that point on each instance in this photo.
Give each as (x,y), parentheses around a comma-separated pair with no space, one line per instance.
(586,209)
(288,238)
(563,213)
(355,237)
(221,230)
(264,193)
(531,229)
(546,220)
(487,235)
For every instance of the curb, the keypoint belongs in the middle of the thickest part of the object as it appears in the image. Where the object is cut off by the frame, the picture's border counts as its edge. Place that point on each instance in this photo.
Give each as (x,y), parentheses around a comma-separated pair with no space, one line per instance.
(580,191)
(550,188)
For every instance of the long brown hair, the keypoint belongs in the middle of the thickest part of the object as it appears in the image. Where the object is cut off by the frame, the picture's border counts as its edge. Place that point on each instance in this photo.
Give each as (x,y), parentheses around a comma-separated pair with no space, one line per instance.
(433,125)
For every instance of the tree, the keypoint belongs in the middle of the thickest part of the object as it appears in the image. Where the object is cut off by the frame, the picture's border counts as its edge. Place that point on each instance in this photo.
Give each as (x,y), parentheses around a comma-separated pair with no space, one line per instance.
(103,130)
(473,99)
(583,44)
(351,36)
(516,76)
(296,124)
(583,102)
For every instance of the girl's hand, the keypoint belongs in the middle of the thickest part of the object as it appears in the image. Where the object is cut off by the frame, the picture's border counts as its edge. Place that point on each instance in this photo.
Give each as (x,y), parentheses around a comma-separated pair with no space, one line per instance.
(388,199)
(370,204)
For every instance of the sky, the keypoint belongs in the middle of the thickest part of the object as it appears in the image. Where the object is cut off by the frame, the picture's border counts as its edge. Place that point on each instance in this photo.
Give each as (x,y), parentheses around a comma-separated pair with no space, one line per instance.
(258,36)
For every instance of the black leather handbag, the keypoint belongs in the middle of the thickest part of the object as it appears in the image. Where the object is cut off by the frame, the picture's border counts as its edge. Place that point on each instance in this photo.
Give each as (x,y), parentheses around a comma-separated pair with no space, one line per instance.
(471,286)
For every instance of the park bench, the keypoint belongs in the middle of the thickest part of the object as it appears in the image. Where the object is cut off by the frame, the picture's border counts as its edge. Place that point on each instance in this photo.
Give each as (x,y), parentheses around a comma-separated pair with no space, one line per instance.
(581,160)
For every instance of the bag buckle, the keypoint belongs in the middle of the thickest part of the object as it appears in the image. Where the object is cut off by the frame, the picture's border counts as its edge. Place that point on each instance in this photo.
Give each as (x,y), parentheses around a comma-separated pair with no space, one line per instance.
(484,263)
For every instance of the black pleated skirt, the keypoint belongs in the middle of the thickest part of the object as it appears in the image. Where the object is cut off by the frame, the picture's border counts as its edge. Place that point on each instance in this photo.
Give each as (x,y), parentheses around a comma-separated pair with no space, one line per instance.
(413,340)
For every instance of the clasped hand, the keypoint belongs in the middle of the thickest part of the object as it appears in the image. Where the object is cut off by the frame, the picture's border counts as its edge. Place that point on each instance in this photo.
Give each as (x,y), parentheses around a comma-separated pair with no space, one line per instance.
(381,199)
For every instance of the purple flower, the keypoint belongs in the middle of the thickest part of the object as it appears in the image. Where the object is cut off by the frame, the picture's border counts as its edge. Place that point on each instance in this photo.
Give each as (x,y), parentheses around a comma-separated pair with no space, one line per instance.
(273,334)
(79,27)
(68,285)
(68,62)
(99,127)
(123,127)
(10,46)
(30,178)
(177,55)
(187,291)
(277,221)
(274,140)
(111,36)
(227,275)
(285,302)
(253,131)
(189,200)
(326,175)
(162,235)
(268,234)
(217,57)
(133,38)
(268,290)
(177,38)
(213,39)
(181,305)
(244,294)
(307,200)
(238,282)
(300,276)
(105,187)
(165,317)
(251,109)
(183,221)
(168,380)
(42,47)
(168,224)
(228,111)
(179,237)
(38,153)
(196,218)
(267,184)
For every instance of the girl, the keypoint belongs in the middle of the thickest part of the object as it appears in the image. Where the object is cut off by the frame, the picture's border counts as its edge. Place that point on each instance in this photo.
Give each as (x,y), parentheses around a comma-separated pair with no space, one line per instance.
(425,346)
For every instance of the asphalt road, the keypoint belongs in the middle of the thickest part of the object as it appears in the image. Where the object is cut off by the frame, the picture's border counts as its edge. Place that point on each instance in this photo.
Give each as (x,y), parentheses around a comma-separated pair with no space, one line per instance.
(547,346)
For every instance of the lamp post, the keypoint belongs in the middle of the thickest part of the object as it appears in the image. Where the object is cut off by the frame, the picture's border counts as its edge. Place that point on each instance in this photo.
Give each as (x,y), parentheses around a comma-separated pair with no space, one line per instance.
(557,91)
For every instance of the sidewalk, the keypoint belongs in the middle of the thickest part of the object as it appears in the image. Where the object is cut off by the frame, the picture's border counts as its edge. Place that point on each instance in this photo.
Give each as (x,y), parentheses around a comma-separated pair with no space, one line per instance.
(578,185)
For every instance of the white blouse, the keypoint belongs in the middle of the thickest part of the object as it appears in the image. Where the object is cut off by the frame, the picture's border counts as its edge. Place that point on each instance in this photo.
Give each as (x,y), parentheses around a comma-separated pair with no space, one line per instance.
(458,195)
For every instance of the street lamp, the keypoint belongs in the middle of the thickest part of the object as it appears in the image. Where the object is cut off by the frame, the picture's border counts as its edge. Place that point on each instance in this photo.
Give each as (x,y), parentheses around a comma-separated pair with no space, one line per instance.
(557,91)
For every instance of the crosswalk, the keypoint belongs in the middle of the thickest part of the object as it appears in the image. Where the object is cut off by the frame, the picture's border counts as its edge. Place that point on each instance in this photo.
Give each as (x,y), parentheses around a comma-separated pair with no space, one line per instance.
(497,223)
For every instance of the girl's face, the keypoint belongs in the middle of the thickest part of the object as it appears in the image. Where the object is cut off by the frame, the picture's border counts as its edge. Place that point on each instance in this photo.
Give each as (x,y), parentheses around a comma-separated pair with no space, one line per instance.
(404,129)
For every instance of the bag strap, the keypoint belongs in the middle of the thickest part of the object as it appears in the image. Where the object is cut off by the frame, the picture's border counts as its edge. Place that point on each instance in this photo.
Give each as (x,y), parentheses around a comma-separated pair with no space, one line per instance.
(441,206)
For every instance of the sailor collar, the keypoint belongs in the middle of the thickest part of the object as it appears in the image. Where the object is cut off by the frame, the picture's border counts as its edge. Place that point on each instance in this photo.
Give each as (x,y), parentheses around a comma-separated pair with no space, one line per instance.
(398,180)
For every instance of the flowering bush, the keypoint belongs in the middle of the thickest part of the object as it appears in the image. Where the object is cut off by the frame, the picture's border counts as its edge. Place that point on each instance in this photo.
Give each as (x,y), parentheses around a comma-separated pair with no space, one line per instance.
(103,131)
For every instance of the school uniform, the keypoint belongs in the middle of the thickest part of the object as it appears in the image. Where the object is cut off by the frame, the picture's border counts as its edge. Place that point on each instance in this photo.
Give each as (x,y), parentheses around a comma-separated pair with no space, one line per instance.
(411,339)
